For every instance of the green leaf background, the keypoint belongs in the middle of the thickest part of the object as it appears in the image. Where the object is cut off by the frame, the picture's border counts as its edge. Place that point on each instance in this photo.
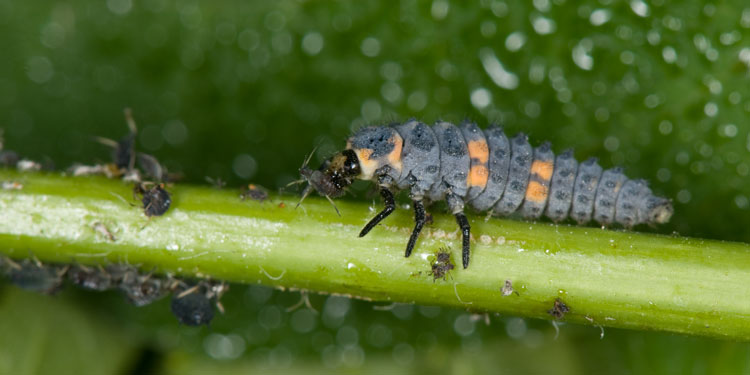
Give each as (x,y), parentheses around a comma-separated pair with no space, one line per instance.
(243,90)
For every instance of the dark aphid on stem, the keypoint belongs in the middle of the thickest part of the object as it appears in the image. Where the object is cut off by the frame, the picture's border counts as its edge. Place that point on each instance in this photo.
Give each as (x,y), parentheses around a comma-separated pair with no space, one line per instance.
(442,264)
(8,158)
(193,305)
(155,199)
(34,276)
(123,151)
(486,170)
(142,290)
(192,308)
(254,192)
(559,309)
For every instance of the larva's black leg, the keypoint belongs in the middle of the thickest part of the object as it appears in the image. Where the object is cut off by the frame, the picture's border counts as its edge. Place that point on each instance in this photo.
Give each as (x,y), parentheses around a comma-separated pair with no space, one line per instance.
(463,223)
(419,220)
(390,205)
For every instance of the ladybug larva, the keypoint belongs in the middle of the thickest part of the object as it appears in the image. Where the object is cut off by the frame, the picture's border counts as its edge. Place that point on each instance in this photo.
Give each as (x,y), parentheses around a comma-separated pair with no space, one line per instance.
(486,170)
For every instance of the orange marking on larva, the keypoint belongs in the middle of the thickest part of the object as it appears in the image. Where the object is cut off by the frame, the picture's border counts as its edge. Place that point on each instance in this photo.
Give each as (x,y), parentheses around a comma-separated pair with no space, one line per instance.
(478,175)
(536,192)
(543,169)
(394,158)
(479,150)
(367,165)
(364,154)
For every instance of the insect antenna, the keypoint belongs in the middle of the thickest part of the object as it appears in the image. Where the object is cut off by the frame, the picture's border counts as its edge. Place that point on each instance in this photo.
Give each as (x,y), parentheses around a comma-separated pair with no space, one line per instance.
(133,131)
(301,180)
(129,119)
(303,168)
(309,157)
(105,141)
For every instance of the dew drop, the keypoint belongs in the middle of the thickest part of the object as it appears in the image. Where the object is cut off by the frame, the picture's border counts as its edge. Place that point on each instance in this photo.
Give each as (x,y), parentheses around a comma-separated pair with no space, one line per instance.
(639,7)
(481,98)
(600,17)
(496,71)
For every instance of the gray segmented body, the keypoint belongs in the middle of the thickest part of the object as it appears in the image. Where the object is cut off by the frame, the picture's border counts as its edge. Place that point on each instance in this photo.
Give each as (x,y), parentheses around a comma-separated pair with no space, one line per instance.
(488,171)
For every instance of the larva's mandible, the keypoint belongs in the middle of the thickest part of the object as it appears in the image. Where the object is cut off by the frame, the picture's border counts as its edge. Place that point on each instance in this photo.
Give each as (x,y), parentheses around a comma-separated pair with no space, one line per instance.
(486,170)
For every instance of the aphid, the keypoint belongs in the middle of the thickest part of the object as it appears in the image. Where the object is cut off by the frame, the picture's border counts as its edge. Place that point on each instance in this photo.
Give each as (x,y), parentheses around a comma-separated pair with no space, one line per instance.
(103,230)
(507,289)
(142,290)
(8,158)
(254,192)
(559,309)
(155,199)
(34,276)
(192,305)
(108,170)
(192,308)
(486,170)
(27,165)
(442,264)
(216,182)
(11,185)
(123,151)
(93,278)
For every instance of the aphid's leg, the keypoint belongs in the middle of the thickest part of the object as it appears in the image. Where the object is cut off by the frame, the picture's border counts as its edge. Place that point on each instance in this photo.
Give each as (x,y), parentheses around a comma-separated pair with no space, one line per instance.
(190,290)
(334,205)
(419,220)
(489,214)
(390,205)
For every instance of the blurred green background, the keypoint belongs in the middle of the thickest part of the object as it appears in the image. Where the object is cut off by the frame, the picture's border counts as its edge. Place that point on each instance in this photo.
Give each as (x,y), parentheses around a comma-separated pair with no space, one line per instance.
(243,90)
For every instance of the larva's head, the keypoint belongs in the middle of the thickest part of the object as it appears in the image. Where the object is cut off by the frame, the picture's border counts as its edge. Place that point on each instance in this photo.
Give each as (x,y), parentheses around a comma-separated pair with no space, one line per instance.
(334,175)
(658,210)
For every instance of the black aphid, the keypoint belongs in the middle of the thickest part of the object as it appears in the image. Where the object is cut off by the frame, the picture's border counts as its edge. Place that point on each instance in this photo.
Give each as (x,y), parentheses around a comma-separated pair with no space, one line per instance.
(559,309)
(155,199)
(193,305)
(254,192)
(442,264)
(34,276)
(123,151)
(482,168)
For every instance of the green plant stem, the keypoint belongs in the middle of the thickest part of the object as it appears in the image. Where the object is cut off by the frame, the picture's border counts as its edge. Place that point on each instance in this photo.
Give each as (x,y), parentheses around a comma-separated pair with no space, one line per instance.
(606,277)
